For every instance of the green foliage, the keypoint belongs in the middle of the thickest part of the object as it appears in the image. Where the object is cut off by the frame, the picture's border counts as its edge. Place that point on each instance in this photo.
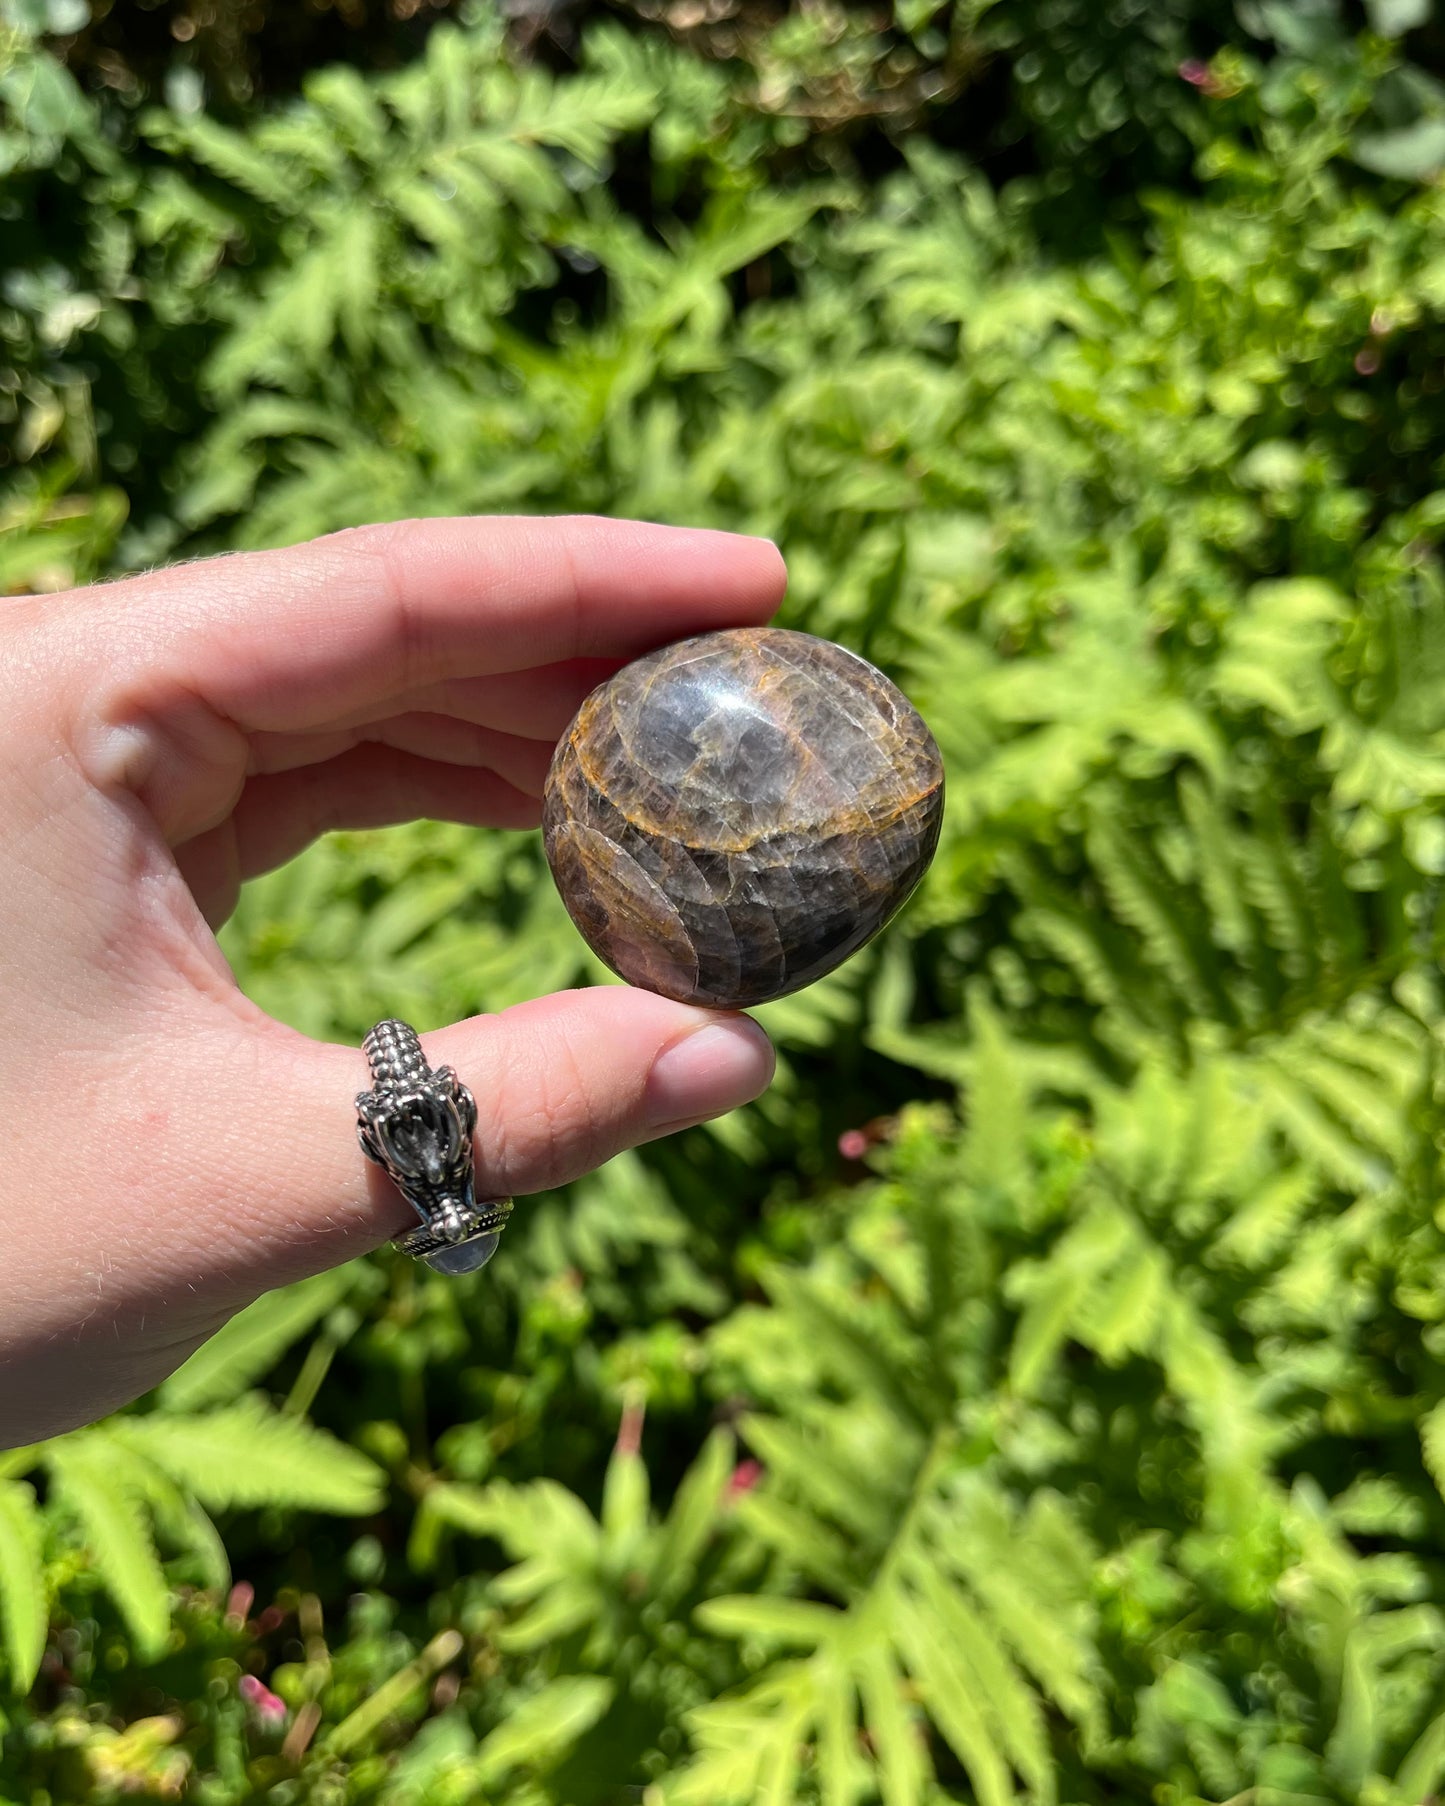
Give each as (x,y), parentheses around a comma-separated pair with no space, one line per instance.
(22,1588)
(116,1491)
(1087,1440)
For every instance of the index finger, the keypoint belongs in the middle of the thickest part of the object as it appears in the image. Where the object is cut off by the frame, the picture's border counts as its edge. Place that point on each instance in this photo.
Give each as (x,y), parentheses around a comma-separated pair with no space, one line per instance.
(288,639)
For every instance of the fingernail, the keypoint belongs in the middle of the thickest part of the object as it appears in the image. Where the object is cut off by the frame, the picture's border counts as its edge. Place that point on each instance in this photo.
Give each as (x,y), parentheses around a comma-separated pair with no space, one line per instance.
(714,1069)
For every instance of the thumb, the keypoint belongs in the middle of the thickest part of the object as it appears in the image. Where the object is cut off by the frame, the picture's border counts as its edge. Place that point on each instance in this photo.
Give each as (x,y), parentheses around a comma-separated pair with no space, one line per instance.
(561,1084)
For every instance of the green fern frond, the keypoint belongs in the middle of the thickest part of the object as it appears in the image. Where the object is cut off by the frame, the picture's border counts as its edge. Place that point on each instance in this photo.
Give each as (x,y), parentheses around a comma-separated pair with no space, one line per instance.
(117,1535)
(248,1454)
(1140,897)
(1432,1444)
(24,1610)
(540,1731)
(254,1339)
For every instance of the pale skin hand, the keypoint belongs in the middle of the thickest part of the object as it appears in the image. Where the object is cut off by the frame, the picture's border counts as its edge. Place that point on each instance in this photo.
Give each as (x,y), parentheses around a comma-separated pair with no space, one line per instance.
(170,1151)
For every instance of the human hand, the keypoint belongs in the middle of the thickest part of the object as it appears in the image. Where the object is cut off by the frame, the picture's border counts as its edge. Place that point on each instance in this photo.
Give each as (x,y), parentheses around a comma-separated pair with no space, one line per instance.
(170,1151)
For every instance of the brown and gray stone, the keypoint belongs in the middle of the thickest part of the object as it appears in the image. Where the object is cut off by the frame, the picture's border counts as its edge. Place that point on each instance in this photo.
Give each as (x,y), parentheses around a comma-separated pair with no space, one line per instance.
(731,817)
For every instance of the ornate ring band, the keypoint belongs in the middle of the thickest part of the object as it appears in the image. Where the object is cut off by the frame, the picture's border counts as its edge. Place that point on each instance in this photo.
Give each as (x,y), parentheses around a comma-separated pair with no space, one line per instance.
(417,1124)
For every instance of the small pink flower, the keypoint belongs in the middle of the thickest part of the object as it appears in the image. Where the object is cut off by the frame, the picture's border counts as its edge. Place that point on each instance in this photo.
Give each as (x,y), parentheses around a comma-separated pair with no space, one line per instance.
(242,1598)
(269,1708)
(853,1144)
(1200,75)
(743,1478)
(1367,360)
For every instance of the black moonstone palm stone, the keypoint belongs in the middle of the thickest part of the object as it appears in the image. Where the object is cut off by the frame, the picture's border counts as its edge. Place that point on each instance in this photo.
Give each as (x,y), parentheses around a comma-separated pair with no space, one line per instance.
(731,817)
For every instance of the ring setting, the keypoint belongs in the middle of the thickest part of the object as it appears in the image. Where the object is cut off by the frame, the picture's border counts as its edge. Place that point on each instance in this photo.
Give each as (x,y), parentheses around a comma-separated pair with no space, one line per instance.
(416,1123)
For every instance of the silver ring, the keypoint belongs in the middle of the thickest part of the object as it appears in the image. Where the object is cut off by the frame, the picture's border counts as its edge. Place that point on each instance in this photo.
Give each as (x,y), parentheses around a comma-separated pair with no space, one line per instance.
(417,1124)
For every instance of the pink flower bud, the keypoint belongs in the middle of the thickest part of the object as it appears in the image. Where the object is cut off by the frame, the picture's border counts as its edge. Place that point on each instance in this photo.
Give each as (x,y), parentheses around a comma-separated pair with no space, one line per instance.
(629,1430)
(242,1598)
(1194,72)
(853,1144)
(269,1708)
(744,1478)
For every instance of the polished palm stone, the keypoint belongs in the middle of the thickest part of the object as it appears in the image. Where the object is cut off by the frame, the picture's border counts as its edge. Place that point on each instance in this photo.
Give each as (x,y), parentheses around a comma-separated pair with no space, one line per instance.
(729,818)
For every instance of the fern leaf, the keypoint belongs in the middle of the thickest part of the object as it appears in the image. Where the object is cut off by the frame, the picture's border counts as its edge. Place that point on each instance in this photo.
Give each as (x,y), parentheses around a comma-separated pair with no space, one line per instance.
(1120,1319)
(1009,1704)
(1220,1156)
(1057,1552)
(855,1356)
(948,1690)
(843,1776)
(1056,1289)
(903,1768)
(749,1740)
(1314,1131)
(998,1102)
(117,1537)
(772,1620)
(1139,894)
(625,1496)
(1275,889)
(247,1454)
(1370,1109)
(1221,1403)
(1419,1775)
(1383,1041)
(347,103)
(1379,1505)
(827,1482)
(23,1614)
(1353,1744)
(1276,651)
(252,1342)
(230,155)
(568,1605)
(1263,1222)
(1082,949)
(179,1518)
(1432,1444)
(690,1521)
(1047,1627)
(542,1520)
(800,1539)
(540,1731)
(781,1756)
(525,1580)
(1219,876)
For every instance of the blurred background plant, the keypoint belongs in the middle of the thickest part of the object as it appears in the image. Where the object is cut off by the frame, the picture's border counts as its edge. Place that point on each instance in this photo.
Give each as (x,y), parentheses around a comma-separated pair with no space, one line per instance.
(1039,1394)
